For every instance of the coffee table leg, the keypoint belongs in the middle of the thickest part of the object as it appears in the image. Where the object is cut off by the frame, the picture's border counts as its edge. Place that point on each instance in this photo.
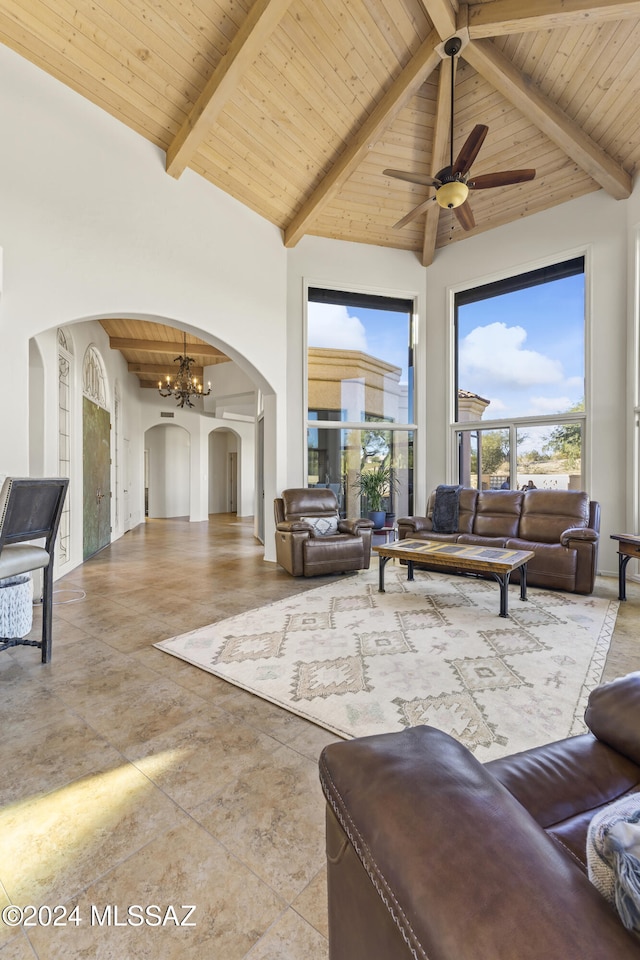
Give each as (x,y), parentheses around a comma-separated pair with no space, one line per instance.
(382,564)
(410,570)
(503,580)
(523,582)
(623,560)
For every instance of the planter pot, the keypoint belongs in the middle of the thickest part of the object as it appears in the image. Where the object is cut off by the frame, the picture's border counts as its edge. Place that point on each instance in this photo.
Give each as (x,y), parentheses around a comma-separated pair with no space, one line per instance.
(378,518)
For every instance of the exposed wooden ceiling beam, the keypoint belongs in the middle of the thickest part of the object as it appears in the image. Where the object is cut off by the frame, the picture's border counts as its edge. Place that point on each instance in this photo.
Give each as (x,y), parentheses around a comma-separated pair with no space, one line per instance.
(442,14)
(158,370)
(522,92)
(499,17)
(261,20)
(164,346)
(421,65)
(439,158)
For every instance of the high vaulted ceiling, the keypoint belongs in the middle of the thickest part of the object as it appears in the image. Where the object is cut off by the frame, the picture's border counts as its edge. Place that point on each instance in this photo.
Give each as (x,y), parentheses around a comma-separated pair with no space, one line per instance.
(295,107)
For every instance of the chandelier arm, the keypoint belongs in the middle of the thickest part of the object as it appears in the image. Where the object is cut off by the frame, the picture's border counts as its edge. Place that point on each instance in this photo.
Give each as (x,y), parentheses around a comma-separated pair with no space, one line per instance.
(185,385)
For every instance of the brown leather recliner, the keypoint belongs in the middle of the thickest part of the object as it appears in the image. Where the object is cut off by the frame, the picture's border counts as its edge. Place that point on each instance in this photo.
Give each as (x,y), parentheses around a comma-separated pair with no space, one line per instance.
(305,549)
(432,854)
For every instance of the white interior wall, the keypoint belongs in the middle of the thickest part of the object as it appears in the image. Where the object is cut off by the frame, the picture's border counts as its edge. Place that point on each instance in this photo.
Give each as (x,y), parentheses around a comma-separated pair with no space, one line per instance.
(169,453)
(94,227)
(36,410)
(232,391)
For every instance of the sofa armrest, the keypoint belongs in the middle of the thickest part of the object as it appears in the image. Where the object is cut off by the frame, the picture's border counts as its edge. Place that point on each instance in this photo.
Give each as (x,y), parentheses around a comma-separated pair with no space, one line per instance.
(463,870)
(579,533)
(291,537)
(355,527)
(414,525)
(613,712)
(293,526)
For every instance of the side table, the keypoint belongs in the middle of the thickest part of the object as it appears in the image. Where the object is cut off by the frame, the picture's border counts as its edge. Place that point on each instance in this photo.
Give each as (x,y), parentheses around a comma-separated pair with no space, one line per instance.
(628,547)
(389,533)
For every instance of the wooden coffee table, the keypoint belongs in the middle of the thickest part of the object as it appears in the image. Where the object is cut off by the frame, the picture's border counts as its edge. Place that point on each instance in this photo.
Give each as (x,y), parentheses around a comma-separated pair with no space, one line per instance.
(498,563)
(628,547)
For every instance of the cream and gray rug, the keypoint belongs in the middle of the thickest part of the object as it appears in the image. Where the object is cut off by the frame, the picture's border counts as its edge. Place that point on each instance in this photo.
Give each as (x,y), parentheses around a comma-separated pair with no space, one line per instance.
(434,651)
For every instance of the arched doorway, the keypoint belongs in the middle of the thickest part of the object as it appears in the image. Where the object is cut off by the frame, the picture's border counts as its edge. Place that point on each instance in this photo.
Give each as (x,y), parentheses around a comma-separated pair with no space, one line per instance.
(225,465)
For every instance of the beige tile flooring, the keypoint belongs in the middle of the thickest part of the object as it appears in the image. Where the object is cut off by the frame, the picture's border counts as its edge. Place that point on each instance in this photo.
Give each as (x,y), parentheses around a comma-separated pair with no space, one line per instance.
(131,778)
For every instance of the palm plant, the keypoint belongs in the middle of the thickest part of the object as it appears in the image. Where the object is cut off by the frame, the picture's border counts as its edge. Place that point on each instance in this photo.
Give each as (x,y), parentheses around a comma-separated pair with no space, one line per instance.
(375,485)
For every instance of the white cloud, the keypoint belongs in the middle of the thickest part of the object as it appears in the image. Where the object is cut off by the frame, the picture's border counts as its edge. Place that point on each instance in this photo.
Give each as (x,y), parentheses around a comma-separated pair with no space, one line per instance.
(550,404)
(495,354)
(331,326)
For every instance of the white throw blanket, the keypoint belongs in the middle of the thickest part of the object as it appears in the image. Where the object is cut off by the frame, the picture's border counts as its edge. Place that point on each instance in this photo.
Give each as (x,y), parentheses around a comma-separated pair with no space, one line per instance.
(613,857)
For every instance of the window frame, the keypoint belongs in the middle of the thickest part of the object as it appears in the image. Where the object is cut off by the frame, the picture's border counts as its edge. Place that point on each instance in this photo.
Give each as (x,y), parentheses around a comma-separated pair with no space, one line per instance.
(353,293)
(503,282)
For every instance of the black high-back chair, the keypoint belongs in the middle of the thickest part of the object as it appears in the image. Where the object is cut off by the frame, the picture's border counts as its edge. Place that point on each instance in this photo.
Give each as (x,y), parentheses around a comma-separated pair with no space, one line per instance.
(30,509)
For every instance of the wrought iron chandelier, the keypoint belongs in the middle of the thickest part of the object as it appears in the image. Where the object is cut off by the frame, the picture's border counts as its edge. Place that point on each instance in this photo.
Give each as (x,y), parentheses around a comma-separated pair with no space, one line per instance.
(184,386)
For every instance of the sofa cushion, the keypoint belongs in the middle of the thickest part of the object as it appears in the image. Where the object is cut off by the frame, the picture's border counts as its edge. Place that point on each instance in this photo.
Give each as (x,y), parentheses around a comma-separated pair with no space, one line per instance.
(328,554)
(485,541)
(553,565)
(306,502)
(498,513)
(547,513)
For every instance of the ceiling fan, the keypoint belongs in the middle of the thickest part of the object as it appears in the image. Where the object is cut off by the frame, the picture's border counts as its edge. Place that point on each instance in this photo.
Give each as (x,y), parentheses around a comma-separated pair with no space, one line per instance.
(452,183)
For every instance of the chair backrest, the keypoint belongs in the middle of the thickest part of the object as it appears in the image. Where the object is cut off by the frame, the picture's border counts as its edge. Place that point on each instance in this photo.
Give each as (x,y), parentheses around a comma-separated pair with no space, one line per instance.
(30,509)
(309,502)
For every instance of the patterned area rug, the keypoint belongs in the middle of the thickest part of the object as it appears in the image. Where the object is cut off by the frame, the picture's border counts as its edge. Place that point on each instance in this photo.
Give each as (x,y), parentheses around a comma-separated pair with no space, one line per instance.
(434,651)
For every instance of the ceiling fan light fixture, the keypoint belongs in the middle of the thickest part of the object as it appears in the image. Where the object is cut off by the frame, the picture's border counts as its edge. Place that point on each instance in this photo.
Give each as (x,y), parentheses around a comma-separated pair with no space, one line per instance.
(452,194)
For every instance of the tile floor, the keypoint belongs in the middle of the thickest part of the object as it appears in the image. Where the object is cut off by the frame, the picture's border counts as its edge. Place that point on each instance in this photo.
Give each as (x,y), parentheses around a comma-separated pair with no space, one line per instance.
(132,779)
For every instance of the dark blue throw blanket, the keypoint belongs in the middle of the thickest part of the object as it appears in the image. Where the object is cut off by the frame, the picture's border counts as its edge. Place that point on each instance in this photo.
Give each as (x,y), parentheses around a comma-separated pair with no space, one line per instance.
(445,508)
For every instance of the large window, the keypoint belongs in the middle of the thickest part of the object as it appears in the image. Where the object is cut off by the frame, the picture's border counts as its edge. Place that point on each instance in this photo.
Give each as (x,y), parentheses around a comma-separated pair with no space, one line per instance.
(360,394)
(520,380)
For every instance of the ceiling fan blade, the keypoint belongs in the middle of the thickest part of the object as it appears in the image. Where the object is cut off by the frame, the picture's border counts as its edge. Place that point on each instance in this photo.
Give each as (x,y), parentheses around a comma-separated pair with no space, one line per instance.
(500,179)
(420,178)
(413,213)
(470,149)
(465,215)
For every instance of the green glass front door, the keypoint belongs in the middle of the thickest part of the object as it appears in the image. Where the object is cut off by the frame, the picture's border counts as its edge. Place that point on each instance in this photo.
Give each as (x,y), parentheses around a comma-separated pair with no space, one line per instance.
(96,429)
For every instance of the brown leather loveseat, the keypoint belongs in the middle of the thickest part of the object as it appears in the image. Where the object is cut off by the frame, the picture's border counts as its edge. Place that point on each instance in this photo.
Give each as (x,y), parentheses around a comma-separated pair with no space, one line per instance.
(433,855)
(562,527)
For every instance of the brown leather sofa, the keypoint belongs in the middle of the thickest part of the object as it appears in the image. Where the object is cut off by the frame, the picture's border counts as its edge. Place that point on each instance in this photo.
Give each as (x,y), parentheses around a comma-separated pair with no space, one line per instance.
(562,527)
(305,552)
(434,855)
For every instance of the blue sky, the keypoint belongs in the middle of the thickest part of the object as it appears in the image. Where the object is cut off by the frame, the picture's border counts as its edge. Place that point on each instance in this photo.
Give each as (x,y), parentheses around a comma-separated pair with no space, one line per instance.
(524,351)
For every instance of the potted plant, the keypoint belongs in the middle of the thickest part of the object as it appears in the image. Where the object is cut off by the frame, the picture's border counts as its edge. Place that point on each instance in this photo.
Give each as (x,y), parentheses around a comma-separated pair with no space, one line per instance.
(374,485)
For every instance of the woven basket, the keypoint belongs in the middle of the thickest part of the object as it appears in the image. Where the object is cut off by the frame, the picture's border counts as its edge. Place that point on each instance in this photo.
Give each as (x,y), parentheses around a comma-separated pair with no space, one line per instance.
(16,609)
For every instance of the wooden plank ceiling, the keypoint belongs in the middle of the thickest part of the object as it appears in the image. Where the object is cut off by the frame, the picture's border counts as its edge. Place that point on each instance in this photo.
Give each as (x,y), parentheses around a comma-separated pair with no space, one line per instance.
(295,107)
(151,349)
